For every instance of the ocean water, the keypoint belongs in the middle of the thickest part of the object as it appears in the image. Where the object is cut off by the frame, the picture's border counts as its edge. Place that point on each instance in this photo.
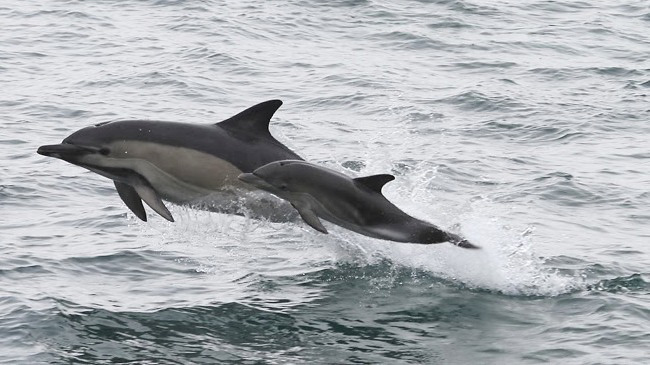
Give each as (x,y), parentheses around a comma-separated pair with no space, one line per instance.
(523,125)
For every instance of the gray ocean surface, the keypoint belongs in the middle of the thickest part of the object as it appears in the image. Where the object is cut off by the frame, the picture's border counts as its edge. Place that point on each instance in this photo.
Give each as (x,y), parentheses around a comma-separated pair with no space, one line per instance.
(522,125)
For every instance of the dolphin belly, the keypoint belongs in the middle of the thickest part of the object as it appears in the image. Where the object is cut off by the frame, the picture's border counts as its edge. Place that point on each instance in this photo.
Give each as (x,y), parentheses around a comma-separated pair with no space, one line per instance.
(179,175)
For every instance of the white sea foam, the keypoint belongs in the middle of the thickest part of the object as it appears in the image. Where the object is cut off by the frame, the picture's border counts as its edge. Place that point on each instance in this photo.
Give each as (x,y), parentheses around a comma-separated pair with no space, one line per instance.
(231,248)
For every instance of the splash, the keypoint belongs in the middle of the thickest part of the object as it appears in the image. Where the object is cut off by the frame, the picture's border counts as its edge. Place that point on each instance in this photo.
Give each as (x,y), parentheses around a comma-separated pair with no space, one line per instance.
(243,251)
(506,262)
(631,283)
(244,260)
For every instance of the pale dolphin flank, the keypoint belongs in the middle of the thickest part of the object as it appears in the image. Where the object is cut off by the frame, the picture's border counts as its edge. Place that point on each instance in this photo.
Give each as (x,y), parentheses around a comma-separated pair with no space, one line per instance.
(182,163)
(356,204)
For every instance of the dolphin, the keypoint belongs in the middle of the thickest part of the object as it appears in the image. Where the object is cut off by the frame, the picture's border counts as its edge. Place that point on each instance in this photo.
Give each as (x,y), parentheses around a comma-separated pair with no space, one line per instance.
(182,163)
(356,204)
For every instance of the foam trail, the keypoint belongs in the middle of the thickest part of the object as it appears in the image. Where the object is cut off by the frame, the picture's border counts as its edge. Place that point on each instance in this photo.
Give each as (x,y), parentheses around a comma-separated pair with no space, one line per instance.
(506,262)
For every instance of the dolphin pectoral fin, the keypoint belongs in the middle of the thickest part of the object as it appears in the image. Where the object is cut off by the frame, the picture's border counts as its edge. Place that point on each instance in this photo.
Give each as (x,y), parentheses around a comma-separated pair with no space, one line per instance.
(149,195)
(131,198)
(310,217)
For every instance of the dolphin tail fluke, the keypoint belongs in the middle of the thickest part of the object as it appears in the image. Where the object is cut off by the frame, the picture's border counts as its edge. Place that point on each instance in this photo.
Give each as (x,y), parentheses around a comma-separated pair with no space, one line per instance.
(460,241)
(132,200)
(465,244)
(433,235)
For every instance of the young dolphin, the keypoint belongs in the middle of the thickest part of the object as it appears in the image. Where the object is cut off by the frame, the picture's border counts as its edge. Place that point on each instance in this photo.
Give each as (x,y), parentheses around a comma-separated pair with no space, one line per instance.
(182,163)
(355,204)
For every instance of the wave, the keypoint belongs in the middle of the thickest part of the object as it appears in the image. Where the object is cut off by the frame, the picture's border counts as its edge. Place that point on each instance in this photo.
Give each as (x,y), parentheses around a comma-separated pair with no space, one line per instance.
(506,263)
(632,283)
(478,102)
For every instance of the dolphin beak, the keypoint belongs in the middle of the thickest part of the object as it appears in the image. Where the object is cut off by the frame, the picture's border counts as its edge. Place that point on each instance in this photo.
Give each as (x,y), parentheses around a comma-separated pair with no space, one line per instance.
(63,150)
(250,178)
(256,181)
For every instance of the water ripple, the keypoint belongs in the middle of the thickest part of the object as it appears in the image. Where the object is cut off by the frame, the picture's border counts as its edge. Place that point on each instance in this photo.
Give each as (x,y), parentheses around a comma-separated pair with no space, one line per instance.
(522,126)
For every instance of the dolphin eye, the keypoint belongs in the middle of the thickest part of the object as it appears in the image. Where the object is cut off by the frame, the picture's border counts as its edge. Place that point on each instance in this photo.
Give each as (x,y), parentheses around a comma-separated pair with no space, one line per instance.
(104,151)
(283,187)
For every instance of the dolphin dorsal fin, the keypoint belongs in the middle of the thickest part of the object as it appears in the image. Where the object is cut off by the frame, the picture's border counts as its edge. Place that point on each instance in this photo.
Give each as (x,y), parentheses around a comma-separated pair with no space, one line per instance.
(375,182)
(255,119)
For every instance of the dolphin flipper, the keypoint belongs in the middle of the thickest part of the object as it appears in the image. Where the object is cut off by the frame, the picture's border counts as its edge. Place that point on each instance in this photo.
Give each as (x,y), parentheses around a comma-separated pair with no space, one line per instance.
(309,216)
(132,200)
(149,195)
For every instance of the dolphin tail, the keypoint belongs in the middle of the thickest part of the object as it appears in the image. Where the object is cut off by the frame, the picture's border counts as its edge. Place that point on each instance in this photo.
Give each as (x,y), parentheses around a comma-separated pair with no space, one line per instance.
(432,234)
(459,241)
(465,244)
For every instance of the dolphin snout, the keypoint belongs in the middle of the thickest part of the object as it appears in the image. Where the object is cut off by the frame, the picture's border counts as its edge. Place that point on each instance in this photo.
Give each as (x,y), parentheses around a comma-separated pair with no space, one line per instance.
(256,181)
(57,150)
(249,177)
(65,150)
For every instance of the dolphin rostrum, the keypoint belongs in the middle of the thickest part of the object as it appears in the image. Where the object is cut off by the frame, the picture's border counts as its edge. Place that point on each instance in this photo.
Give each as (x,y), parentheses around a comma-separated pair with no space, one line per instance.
(356,204)
(182,163)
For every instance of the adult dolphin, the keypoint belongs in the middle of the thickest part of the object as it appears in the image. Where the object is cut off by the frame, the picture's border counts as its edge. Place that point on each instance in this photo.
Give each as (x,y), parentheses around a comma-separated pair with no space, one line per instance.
(182,163)
(356,204)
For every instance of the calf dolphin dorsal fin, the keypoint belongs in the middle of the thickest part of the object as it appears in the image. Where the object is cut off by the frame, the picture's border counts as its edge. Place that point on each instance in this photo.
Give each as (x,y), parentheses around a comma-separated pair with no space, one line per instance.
(255,119)
(131,198)
(375,182)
